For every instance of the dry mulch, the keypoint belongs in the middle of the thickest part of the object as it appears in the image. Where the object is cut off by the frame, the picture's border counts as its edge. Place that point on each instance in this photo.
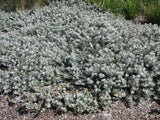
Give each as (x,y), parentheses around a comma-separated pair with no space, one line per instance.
(146,110)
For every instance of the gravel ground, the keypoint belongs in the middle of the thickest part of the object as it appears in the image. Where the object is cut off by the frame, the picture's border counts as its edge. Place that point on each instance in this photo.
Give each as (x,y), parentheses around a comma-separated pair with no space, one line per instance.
(144,111)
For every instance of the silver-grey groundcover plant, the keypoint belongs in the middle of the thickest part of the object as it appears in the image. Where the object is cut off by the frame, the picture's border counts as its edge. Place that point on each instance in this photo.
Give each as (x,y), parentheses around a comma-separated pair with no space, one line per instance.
(75,57)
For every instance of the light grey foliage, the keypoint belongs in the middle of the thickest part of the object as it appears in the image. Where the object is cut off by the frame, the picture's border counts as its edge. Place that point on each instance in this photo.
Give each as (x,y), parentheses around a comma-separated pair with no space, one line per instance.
(74,57)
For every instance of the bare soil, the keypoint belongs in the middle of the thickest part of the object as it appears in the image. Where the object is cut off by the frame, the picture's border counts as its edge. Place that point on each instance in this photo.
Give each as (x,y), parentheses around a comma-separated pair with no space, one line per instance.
(146,110)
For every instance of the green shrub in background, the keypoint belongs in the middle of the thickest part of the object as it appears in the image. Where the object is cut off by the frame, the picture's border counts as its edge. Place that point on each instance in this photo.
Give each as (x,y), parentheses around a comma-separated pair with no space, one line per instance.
(152,12)
(8,5)
(13,5)
(111,5)
(131,8)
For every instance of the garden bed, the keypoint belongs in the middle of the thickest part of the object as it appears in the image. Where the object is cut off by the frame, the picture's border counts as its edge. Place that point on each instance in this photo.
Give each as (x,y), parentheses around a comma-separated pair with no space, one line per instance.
(76,58)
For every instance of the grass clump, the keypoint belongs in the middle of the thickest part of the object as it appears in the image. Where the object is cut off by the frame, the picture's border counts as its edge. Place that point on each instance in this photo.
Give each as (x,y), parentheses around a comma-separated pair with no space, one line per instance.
(111,5)
(131,9)
(152,12)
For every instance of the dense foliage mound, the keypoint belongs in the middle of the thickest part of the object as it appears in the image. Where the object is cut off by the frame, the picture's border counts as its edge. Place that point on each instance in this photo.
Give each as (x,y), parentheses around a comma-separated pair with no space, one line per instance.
(76,58)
